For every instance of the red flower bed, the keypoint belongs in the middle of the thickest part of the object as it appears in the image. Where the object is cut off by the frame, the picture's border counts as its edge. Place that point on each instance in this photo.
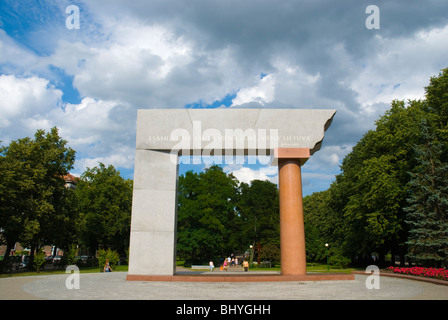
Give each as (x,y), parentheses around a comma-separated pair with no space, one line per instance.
(438,273)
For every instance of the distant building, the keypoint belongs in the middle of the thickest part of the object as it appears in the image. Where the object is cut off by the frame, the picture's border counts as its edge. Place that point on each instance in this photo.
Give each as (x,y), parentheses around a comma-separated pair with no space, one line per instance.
(70,181)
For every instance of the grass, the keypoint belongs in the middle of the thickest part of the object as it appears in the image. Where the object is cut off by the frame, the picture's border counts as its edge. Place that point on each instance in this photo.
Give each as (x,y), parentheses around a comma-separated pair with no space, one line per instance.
(322,268)
(120,268)
(310,267)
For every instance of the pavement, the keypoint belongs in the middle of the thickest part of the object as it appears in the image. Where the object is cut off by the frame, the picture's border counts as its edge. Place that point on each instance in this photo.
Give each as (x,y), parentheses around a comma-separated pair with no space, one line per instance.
(113,286)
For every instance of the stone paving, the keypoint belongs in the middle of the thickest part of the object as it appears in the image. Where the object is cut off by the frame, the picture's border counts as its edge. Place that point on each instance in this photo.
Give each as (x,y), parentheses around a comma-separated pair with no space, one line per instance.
(113,286)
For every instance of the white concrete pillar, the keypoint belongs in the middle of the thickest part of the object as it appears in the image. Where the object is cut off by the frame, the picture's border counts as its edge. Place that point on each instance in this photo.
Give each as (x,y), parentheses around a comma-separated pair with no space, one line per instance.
(154,214)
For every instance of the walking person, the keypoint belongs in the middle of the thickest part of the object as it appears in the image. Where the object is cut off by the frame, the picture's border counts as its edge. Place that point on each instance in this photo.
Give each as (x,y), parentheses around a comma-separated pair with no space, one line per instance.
(212,266)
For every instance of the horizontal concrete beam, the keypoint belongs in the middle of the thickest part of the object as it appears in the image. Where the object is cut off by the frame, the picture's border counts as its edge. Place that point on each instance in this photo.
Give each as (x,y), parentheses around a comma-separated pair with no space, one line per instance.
(224,131)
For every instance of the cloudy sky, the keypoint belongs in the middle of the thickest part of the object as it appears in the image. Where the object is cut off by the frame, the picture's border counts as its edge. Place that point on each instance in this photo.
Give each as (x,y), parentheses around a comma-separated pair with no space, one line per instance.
(128,55)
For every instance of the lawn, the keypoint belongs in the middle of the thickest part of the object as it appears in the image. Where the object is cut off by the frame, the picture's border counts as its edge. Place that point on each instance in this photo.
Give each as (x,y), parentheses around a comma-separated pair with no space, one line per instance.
(121,268)
(311,267)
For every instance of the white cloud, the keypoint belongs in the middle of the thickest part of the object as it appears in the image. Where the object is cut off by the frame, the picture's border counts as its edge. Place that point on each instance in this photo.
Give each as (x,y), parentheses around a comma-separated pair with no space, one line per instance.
(147,66)
(92,127)
(296,87)
(100,131)
(156,40)
(122,160)
(262,93)
(289,85)
(246,174)
(24,100)
(328,157)
(15,57)
(402,67)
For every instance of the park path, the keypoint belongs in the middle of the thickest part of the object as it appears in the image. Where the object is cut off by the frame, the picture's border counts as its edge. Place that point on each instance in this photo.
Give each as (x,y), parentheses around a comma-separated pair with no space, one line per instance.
(111,286)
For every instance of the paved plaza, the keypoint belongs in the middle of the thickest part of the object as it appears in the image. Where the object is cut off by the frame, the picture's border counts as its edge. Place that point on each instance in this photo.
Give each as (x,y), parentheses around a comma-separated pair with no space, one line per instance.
(113,286)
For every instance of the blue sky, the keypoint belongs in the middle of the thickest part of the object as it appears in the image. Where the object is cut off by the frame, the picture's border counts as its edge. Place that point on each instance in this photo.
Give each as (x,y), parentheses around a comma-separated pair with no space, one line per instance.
(125,56)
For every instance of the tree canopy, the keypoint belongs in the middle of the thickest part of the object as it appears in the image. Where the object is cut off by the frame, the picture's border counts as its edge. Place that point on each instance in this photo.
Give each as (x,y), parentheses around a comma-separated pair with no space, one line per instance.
(218,215)
(34,203)
(104,204)
(391,195)
(36,208)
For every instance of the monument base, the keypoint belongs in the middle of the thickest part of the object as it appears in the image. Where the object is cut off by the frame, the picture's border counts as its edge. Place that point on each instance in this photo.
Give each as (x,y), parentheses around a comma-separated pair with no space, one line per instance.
(241,278)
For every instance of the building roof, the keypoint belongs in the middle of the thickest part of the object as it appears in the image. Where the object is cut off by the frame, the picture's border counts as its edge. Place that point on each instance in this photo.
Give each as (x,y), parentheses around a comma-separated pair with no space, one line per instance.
(70,178)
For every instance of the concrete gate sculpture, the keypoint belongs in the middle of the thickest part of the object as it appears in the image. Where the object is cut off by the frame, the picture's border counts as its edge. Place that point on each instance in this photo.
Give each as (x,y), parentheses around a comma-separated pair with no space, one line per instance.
(288,136)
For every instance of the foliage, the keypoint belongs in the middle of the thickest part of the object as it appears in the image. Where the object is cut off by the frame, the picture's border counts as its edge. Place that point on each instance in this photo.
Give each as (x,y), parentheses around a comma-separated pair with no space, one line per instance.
(218,216)
(70,254)
(270,252)
(39,260)
(321,223)
(104,255)
(36,209)
(391,195)
(338,261)
(206,214)
(258,209)
(104,200)
(376,175)
(33,198)
(427,210)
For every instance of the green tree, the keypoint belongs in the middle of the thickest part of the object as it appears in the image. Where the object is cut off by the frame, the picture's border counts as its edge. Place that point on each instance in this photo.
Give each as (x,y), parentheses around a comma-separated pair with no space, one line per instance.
(321,225)
(32,192)
(259,213)
(206,214)
(15,189)
(427,212)
(391,187)
(436,94)
(39,260)
(375,175)
(104,199)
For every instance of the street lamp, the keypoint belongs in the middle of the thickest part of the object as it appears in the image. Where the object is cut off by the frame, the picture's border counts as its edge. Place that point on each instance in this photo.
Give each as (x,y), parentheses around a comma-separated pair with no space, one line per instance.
(328,266)
(251,255)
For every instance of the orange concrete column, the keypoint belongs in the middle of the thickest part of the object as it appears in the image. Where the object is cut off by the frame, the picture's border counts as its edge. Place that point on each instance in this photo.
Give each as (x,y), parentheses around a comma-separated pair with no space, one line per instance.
(292,229)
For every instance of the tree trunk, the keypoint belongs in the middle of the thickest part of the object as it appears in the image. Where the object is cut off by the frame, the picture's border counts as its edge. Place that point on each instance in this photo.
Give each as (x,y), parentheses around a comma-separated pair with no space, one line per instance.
(9,246)
(392,258)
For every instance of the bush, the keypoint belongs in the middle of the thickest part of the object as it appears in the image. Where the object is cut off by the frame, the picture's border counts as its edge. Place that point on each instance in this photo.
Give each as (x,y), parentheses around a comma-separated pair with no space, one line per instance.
(103,255)
(71,254)
(39,260)
(338,261)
